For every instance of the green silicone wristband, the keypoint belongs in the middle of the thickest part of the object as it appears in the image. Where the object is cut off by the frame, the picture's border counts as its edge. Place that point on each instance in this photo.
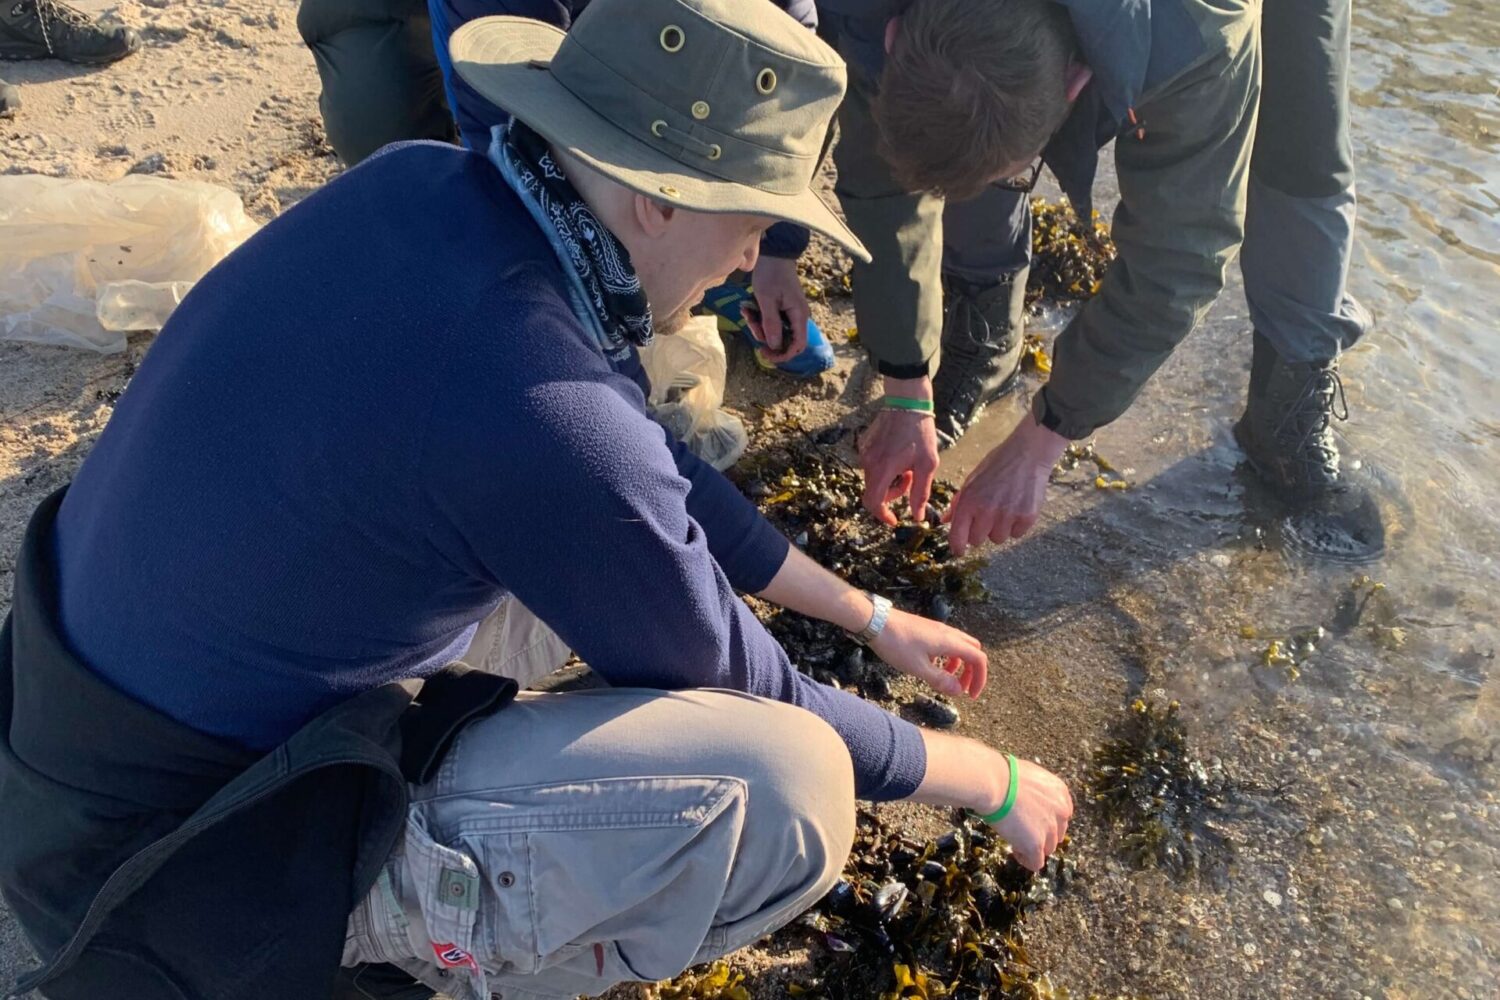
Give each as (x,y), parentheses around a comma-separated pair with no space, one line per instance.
(903,403)
(1010,793)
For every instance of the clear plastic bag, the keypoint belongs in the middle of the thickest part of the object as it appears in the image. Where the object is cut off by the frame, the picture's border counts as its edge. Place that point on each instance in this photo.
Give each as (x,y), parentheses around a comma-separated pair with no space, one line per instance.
(688,370)
(81,262)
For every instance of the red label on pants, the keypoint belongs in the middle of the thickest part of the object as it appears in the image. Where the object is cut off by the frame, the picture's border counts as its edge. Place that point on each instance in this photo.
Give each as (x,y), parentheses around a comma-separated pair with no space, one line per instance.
(452,956)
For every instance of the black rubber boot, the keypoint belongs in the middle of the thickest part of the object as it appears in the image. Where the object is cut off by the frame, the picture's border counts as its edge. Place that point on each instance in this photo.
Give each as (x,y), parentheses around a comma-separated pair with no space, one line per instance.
(10,100)
(50,29)
(1287,430)
(983,327)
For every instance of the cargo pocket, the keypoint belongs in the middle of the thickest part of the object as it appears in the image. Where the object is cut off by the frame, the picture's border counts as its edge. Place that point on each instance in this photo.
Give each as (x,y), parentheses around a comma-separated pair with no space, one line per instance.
(592,883)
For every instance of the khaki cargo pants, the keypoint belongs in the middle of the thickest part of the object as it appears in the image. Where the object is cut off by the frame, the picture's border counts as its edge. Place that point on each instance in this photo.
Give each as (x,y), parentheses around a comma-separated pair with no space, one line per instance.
(575,841)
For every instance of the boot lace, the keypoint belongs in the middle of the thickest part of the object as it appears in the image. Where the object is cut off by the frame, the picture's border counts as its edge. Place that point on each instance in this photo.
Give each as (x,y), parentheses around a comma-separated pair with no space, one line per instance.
(968,351)
(1320,402)
(56,12)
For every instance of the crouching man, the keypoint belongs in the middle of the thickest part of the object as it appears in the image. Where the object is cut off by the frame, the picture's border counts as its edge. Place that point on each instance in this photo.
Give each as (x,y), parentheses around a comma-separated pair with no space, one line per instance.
(238,760)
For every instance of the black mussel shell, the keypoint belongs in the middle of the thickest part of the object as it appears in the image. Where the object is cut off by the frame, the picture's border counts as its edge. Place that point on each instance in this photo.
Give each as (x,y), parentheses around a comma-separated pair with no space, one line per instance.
(949,844)
(841,899)
(933,871)
(933,713)
(890,900)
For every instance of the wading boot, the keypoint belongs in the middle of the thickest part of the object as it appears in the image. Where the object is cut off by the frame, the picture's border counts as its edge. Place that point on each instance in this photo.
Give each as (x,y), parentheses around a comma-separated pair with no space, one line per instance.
(50,29)
(10,100)
(1287,430)
(983,326)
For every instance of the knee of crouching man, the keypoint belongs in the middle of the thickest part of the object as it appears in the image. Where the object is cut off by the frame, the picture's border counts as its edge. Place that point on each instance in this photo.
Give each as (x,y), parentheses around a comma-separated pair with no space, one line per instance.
(811,781)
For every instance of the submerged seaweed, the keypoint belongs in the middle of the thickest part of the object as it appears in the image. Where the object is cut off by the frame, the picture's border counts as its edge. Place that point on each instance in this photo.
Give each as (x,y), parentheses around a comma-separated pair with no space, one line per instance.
(1106,475)
(1148,783)
(1364,604)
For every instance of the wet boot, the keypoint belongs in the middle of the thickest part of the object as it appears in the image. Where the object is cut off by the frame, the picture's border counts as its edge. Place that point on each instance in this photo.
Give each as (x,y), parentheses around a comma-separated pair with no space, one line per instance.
(983,327)
(10,100)
(50,29)
(1287,428)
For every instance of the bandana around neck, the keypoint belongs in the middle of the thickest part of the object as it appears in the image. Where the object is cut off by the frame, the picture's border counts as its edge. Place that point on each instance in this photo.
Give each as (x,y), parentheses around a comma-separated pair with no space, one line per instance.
(598,260)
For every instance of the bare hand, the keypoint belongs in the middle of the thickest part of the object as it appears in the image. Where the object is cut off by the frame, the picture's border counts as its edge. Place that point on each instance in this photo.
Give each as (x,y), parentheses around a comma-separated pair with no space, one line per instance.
(1003,496)
(1038,821)
(948,660)
(777,290)
(899,454)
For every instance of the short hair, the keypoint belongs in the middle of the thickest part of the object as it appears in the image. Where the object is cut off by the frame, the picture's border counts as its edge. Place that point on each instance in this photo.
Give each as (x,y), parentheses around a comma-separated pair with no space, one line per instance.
(969,87)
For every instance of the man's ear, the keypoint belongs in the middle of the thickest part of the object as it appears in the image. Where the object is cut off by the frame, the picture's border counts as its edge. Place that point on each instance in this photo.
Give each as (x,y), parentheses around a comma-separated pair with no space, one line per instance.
(1075,78)
(652,216)
(892,29)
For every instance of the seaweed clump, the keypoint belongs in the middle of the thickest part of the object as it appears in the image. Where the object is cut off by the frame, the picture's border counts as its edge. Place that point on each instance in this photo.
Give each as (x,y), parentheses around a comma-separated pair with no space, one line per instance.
(1364,604)
(1369,603)
(940,919)
(716,981)
(815,499)
(1147,782)
(1068,258)
(826,275)
(1106,475)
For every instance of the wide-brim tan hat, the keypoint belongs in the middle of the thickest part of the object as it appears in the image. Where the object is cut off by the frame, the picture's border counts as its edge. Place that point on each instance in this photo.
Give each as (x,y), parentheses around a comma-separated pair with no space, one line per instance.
(712,105)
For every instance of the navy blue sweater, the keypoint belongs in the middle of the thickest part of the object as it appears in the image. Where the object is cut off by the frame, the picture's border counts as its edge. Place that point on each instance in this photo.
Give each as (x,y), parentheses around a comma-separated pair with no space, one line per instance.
(363,430)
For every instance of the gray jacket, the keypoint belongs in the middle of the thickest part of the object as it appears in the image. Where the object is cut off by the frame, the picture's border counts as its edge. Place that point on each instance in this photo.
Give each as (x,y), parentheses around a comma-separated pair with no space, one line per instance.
(1189,71)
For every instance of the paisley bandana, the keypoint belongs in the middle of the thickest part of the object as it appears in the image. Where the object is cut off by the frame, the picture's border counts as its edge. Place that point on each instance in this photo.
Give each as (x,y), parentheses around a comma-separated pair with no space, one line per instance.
(598,260)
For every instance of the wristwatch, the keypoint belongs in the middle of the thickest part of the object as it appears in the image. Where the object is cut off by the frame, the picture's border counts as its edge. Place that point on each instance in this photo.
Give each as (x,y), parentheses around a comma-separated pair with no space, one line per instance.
(868,634)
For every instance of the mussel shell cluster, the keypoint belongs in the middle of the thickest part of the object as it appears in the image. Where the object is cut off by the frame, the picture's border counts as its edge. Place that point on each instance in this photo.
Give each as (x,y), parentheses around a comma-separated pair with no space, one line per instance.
(1148,783)
(931,919)
(1068,258)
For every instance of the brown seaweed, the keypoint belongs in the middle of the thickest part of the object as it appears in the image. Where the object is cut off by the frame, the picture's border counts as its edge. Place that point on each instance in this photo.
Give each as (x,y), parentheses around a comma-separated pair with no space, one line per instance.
(1068,258)
(1106,475)
(715,981)
(1149,784)
(815,499)
(927,920)
(1365,604)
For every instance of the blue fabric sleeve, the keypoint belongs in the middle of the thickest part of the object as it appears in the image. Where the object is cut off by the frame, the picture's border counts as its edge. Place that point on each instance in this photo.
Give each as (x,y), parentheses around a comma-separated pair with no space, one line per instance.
(745,545)
(785,239)
(581,512)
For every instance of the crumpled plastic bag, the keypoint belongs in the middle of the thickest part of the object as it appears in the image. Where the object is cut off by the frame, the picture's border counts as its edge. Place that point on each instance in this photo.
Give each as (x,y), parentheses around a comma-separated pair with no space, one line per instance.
(688,370)
(82,262)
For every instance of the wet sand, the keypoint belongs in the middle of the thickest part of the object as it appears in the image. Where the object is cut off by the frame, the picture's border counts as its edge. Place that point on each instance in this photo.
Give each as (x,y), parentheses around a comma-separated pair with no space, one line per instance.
(1368,802)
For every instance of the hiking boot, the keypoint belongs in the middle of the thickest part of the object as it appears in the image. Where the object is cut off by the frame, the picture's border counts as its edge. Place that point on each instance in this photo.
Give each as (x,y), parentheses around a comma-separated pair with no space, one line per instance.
(1287,428)
(983,327)
(50,29)
(10,100)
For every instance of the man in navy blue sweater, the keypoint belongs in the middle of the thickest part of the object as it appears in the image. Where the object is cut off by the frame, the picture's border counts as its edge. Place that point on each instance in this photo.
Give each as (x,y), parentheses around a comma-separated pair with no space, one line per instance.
(418,393)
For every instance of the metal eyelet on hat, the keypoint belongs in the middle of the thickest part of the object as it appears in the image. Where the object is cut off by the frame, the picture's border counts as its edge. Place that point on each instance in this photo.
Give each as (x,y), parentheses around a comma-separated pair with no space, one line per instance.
(700,110)
(670,191)
(672,38)
(658,127)
(765,81)
(715,151)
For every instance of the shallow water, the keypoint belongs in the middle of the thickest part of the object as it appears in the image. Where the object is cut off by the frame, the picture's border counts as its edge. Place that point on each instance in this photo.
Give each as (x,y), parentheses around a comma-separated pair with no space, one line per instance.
(1392,743)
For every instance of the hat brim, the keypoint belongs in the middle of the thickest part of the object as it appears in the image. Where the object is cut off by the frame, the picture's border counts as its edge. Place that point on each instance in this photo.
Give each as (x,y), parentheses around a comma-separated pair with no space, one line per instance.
(505,59)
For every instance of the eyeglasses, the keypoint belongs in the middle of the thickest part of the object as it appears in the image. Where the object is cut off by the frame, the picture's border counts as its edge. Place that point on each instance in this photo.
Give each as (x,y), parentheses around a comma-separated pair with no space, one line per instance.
(1023,183)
